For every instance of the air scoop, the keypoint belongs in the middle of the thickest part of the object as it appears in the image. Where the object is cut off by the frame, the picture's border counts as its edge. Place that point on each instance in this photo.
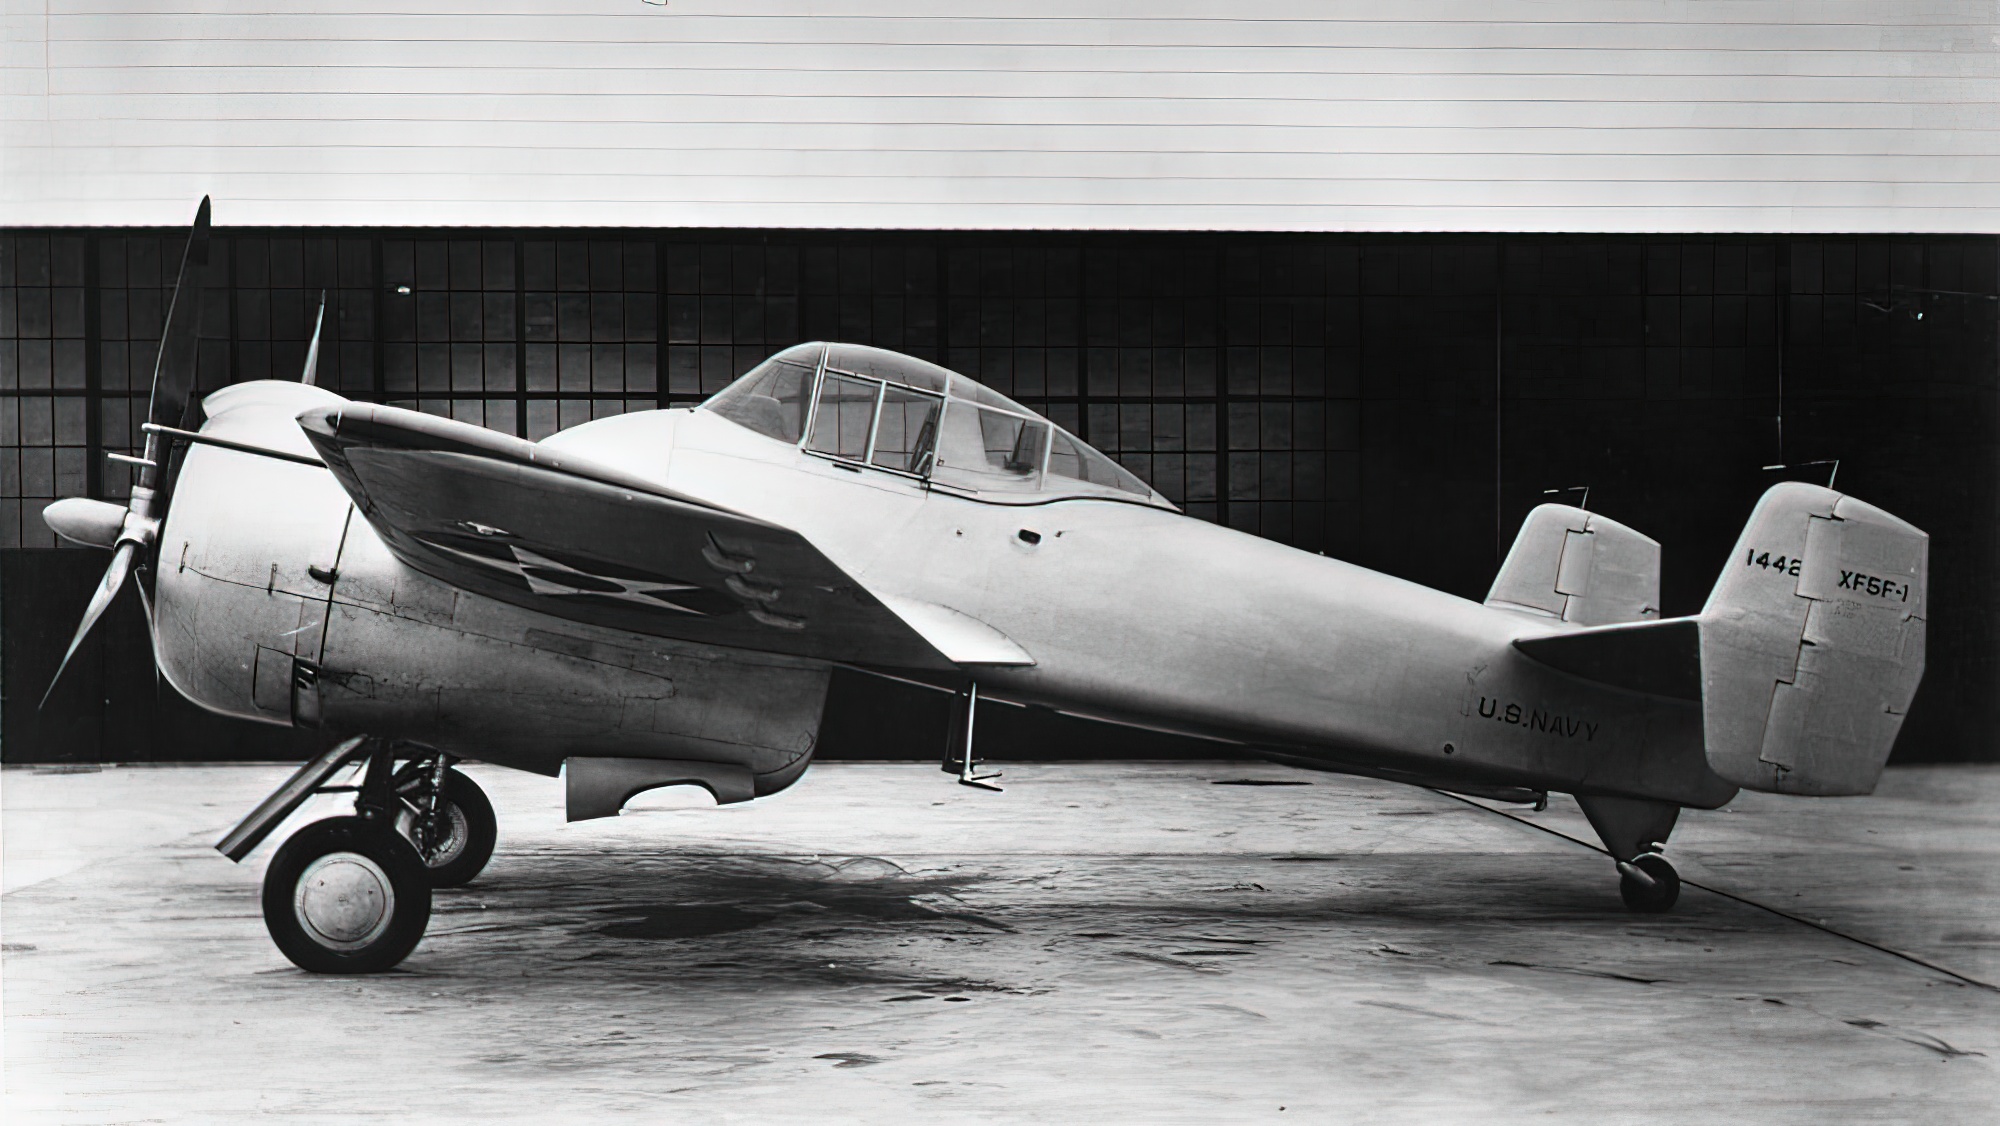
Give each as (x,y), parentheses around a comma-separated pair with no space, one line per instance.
(80,520)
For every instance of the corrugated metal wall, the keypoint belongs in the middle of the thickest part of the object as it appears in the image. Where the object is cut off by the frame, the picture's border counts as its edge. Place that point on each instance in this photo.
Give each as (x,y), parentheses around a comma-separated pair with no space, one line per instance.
(1452,115)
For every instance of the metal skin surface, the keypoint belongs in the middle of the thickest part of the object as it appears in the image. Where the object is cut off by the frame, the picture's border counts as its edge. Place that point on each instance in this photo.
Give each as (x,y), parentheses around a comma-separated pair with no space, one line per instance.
(244,605)
(1130,611)
(279,601)
(1134,612)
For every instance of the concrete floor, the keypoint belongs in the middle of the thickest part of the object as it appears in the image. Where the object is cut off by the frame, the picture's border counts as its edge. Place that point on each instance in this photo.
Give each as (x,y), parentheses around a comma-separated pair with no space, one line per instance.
(1109,942)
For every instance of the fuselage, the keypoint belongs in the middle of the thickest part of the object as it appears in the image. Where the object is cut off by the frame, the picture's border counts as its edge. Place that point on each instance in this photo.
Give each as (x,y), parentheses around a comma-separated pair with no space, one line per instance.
(1136,613)
(1130,611)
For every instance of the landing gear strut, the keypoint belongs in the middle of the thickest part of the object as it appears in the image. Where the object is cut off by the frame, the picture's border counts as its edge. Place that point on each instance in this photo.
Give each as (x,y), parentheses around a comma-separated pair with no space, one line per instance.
(353,894)
(447,817)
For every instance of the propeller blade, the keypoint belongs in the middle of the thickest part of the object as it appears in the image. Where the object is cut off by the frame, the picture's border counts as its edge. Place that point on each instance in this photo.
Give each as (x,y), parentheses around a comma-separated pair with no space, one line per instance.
(152,630)
(310,375)
(107,589)
(173,372)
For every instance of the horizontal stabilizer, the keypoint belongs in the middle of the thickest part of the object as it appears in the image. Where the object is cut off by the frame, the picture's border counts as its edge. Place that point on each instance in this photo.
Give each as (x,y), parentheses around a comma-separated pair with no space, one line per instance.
(1659,658)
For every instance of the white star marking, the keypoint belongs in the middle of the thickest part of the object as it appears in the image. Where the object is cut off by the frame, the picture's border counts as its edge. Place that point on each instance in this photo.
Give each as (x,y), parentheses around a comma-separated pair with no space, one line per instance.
(546,578)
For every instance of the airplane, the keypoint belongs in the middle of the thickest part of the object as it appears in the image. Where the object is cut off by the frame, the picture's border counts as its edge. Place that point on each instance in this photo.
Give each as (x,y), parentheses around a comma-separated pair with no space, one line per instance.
(660,598)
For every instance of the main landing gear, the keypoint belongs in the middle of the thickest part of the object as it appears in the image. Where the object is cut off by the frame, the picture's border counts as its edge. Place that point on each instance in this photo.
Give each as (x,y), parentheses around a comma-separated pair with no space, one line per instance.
(447,817)
(346,896)
(1635,832)
(353,894)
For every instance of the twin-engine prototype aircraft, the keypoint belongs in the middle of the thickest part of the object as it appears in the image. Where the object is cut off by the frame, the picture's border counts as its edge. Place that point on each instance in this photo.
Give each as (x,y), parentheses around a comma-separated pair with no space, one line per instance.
(660,598)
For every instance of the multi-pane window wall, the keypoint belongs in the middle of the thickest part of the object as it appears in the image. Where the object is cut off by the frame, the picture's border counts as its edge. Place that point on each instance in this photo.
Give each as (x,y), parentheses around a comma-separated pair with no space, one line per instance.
(44,400)
(1239,409)
(1400,401)
(1319,390)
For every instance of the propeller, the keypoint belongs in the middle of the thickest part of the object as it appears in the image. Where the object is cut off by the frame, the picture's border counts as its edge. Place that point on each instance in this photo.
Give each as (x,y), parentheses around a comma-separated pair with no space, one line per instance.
(310,375)
(173,383)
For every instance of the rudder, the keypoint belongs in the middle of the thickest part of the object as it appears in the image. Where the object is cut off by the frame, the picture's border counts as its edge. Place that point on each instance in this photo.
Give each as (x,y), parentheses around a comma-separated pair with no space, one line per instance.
(1812,643)
(1580,567)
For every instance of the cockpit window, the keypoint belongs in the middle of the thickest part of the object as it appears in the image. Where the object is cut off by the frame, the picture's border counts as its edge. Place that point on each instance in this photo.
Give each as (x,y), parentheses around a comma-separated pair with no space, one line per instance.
(1078,462)
(905,430)
(773,397)
(846,415)
(899,413)
(892,367)
(986,449)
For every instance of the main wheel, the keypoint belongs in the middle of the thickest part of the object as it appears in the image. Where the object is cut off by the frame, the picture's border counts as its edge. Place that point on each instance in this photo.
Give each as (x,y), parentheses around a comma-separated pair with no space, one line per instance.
(346,896)
(1664,890)
(465,836)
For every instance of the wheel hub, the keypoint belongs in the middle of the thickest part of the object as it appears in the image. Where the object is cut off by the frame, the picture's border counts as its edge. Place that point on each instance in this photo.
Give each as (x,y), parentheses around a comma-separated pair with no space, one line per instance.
(452,834)
(344,901)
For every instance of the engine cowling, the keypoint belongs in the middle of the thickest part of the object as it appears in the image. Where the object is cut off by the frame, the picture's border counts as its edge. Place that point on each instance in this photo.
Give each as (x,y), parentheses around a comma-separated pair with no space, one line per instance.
(247,557)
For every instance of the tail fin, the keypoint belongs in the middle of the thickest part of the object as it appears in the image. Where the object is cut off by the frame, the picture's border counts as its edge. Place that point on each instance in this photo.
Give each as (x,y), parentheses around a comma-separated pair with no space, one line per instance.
(1812,643)
(1579,567)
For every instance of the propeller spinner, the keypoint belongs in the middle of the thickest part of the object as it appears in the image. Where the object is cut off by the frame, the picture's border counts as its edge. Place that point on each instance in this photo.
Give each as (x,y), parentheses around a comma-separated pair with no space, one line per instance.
(92,522)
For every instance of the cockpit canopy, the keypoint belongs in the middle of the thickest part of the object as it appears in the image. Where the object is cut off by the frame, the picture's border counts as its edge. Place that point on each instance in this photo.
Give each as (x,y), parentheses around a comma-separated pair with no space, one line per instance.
(867,406)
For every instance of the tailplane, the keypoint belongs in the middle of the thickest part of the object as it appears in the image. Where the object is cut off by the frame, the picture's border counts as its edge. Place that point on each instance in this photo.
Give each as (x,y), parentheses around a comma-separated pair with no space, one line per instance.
(1812,643)
(1805,659)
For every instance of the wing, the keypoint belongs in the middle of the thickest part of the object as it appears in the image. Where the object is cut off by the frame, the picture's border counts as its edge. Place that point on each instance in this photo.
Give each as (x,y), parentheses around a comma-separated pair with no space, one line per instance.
(503,517)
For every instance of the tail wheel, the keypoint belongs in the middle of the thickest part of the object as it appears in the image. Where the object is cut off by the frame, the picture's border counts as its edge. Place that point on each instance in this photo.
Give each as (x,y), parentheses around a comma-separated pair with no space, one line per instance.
(1656,891)
(346,896)
(461,839)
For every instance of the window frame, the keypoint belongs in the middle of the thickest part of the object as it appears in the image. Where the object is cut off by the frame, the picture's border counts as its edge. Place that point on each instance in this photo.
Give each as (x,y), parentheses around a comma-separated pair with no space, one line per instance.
(867,460)
(1041,494)
(1028,418)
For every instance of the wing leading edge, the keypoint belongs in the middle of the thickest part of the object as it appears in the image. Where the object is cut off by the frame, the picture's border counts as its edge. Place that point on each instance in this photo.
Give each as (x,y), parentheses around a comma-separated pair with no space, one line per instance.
(506,518)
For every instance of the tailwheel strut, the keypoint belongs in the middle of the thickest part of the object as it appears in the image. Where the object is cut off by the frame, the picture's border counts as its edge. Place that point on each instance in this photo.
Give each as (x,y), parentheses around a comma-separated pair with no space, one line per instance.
(1634,832)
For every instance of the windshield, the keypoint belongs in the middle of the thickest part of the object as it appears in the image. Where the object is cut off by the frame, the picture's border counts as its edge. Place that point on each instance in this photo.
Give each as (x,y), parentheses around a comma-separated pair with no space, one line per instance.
(873,407)
(772,398)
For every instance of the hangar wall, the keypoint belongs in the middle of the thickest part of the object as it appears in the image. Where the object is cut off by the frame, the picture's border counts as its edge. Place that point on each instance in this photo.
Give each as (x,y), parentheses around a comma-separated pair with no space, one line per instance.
(1425,115)
(1400,401)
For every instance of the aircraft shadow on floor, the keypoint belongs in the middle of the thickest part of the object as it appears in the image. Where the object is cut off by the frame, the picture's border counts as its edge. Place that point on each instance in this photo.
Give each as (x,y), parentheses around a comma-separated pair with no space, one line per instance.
(762,920)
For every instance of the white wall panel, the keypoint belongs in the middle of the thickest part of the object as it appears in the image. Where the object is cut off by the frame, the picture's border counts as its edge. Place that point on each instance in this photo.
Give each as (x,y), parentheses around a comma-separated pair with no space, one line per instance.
(1576,115)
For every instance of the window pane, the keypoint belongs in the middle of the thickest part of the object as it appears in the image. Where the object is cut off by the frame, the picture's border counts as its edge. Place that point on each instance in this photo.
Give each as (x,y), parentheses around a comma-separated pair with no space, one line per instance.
(1072,459)
(989,449)
(846,407)
(907,431)
(1013,444)
(1066,458)
(891,366)
(770,400)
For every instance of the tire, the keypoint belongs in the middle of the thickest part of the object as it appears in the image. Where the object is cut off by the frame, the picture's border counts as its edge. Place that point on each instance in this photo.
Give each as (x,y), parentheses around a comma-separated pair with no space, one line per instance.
(1658,898)
(346,896)
(470,835)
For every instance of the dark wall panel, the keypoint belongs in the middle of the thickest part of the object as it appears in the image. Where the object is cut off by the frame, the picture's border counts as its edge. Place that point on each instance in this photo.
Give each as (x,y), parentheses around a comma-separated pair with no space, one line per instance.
(1401,401)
